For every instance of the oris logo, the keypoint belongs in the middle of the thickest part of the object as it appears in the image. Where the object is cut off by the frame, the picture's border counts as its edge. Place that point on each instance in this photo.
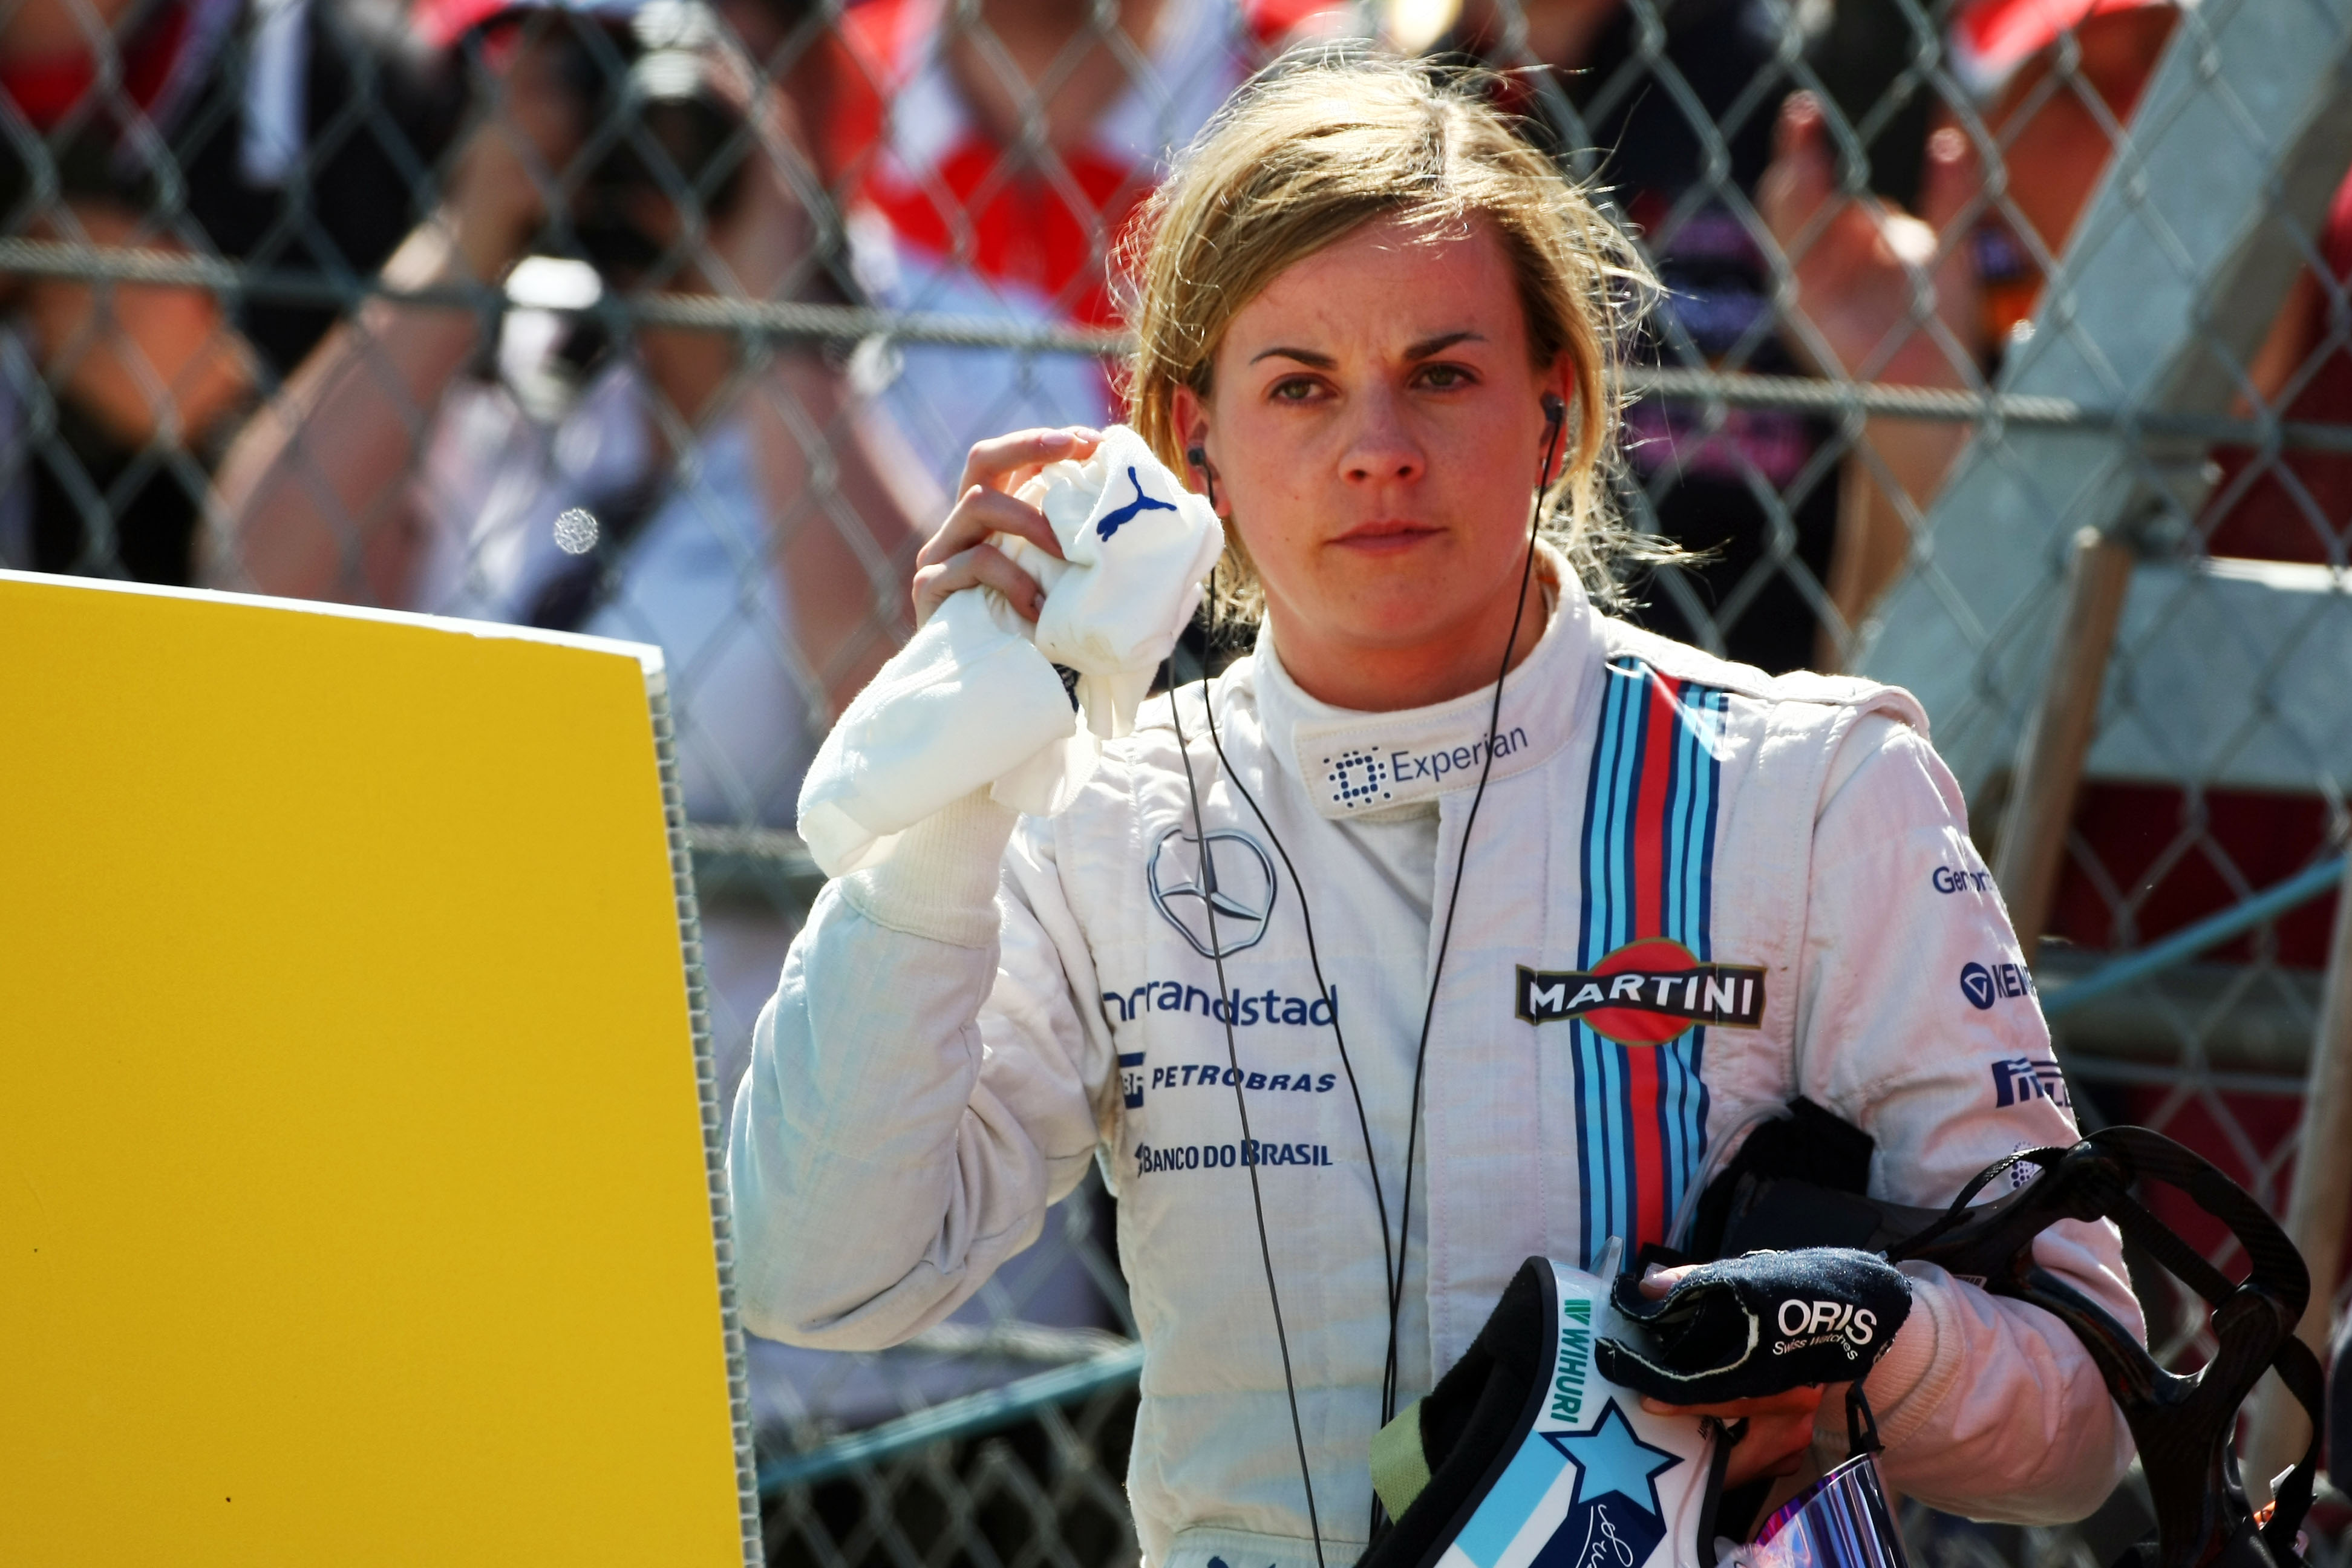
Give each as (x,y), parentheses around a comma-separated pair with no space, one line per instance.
(1804,1324)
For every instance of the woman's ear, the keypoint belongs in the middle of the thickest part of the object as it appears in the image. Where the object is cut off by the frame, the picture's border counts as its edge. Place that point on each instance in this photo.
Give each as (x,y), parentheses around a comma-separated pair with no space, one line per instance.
(1558,405)
(1189,418)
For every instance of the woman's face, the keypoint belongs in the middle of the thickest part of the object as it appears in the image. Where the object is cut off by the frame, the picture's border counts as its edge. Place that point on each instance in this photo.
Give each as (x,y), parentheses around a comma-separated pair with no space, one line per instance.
(1375,430)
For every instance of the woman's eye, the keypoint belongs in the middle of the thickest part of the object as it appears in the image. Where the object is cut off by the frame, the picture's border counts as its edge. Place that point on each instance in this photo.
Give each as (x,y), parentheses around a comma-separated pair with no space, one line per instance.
(1296,389)
(1444,377)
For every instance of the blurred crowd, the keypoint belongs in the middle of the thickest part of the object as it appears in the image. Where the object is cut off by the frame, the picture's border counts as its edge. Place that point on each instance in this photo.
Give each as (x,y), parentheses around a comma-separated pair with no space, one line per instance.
(488,434)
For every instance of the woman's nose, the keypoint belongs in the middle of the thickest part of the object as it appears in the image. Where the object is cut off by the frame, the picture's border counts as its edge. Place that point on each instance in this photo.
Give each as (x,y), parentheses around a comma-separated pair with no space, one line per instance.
(1381,449)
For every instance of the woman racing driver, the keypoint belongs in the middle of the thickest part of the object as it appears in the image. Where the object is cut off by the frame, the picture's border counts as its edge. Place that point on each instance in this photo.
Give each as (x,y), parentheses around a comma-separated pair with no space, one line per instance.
(1380,330)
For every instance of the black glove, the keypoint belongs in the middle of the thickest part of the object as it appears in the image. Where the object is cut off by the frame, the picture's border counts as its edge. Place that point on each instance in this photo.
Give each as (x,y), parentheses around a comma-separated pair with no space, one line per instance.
(1747,1327)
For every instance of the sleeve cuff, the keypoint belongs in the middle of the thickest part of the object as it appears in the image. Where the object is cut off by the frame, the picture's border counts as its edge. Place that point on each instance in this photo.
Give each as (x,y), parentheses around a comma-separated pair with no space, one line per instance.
(1911,1379)
(939,881)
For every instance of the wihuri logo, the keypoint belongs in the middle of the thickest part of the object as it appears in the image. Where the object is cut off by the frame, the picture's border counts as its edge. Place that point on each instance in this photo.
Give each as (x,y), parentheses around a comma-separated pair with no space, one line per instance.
(1575,1350)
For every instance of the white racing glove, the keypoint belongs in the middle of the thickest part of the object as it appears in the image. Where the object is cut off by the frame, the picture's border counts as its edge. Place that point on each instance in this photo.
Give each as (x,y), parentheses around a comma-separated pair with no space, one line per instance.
(972,701)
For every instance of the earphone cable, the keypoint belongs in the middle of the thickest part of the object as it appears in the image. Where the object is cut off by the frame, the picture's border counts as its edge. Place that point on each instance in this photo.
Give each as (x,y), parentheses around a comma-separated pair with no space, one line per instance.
(1314,962)
(1446,938)
(1241,1102)
(1393,1257)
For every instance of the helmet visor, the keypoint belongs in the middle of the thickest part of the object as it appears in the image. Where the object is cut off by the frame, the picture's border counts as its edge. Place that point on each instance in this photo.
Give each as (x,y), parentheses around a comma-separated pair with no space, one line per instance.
(1841,1521)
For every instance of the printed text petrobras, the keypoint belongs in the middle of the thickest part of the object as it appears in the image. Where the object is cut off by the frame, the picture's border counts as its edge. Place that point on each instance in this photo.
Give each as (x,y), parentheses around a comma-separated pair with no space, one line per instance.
(1216,1075)
(1725,993)
(1265,1007)
(1150,1161)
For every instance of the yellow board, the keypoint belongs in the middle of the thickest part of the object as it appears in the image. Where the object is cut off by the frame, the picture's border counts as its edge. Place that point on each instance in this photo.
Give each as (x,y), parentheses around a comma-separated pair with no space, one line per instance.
(355,1201)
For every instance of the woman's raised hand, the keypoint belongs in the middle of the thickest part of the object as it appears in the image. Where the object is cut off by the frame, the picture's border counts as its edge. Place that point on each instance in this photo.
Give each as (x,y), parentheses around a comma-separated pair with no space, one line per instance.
(960,556)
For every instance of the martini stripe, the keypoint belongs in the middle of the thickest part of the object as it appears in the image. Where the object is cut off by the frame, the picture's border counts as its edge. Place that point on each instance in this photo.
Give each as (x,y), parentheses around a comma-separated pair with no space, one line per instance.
(1648,849)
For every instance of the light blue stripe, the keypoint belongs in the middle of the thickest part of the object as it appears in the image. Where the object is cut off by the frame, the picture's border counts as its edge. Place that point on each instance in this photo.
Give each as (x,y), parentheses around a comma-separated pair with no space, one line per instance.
(1599,1134)
(1596,1140)
(1615,906)
(1505,1509)
(1673,1095)
(1686,1133)
(1596,853)
(1621,1138)
(1681,903)
(1676,912)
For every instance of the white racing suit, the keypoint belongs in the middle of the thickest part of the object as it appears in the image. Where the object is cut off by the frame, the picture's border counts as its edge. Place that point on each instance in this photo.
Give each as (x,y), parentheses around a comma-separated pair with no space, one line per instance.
(1693,892)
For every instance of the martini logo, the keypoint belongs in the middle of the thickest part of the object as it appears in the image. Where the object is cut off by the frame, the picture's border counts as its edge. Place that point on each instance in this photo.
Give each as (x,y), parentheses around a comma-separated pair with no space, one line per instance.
(1646,994)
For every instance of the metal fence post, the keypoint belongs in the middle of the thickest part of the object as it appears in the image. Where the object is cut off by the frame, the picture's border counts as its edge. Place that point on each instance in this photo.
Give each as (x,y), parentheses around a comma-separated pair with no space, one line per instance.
(2320,1203)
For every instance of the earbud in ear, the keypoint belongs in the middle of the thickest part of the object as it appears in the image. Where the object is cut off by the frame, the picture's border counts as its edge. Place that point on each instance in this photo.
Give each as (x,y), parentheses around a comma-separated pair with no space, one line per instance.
(1198,457)
(1555,411)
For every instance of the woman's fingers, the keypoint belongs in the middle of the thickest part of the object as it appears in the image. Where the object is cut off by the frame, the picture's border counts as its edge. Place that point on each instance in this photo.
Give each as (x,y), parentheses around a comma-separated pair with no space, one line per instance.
(1780,1428)
(1004,462)
(982,565)
(1803,1399)
(958,555)
(1802,176)
(978,514)
(1657,1281)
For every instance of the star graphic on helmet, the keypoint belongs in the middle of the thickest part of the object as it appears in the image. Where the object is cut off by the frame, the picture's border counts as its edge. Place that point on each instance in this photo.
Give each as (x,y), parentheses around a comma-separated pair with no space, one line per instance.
(1610,1458)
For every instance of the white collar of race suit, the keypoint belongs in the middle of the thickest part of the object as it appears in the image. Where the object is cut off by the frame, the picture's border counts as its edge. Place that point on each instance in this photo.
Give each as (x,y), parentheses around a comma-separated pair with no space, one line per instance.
(1355,764)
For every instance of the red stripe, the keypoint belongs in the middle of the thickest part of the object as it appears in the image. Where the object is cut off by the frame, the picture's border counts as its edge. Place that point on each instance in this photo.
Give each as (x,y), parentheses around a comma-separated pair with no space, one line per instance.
(1649,1163)
(1649,1150)
(1650,811)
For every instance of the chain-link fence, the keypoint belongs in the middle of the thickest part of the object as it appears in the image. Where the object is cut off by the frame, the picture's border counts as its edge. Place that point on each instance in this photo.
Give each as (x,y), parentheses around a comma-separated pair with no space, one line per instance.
(672,320)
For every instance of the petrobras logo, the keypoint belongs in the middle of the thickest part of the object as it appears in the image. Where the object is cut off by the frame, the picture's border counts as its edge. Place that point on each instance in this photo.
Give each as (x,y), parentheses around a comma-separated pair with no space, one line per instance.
(1364,777)
(1646,994)
(1804,1324)
(1984,984)
(1213,1074)
(1130,1078)
(2021,1079)
(1218,891)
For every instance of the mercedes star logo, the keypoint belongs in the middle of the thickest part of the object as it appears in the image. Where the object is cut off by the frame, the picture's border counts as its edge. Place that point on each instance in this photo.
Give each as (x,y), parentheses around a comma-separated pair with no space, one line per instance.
(1234,877)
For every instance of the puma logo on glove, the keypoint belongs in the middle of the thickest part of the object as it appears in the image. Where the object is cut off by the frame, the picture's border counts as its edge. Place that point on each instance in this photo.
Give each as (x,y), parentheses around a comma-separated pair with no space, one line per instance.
(1749,1327)
(1113,522)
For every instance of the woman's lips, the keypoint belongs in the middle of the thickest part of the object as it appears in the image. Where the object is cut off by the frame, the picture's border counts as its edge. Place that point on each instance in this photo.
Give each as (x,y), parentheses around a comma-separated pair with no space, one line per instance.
(1388,538)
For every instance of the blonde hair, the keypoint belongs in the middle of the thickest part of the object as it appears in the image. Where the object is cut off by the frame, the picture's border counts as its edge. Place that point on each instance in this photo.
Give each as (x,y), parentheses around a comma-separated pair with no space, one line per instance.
(1318,145)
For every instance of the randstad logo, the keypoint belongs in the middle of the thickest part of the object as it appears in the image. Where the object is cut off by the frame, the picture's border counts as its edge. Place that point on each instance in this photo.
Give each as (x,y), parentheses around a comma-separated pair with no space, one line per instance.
(1220,897)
